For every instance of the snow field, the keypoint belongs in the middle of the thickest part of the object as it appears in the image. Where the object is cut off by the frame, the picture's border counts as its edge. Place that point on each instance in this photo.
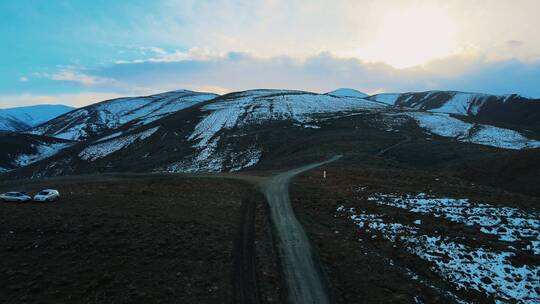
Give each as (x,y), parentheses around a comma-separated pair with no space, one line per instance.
(104,148)
(488,271)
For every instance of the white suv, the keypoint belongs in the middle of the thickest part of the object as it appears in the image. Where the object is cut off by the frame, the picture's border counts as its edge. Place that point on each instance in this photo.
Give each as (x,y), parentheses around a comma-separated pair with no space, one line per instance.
(47,195)
(15,197)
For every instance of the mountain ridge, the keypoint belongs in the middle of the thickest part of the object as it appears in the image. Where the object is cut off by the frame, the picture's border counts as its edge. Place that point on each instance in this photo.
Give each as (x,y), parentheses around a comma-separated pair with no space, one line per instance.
(96,118)
(20,119)
(185,131)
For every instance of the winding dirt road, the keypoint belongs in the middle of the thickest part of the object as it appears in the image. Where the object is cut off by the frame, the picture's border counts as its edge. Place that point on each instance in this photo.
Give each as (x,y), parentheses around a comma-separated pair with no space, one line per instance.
(305,281)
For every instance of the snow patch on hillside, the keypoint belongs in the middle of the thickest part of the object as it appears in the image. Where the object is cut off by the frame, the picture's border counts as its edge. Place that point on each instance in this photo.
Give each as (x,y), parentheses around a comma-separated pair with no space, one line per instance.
(508,224)
(148,112)
(443,124)
(387,98)
(258,107)
(74,133)
(113,135)
(43,151)
(209,159)
(462,104)
(470,268)
(108,147)
(265,106)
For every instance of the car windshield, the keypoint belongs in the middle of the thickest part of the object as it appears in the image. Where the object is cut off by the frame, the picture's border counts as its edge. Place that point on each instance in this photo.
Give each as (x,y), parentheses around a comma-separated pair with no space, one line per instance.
(43,193)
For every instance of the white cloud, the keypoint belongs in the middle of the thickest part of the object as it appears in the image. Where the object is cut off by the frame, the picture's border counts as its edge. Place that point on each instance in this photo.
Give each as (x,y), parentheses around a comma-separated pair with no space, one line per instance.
(23,79)
(195,54)
(319,73)
(398,32)
(325,72)
(76,76)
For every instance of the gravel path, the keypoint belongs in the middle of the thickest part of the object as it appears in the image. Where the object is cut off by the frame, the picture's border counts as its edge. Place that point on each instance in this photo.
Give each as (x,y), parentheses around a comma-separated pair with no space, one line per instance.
(302,271)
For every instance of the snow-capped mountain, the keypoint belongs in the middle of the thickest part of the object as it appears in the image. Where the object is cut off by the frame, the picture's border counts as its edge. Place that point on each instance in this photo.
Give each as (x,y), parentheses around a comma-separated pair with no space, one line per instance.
(211,136)
(184,131)
(251,108)
(510,109)
(95,119)
(346,92)
(23,118)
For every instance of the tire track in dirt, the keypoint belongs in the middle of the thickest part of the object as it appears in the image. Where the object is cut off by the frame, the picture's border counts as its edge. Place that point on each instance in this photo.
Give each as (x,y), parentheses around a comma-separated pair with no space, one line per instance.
(246,290)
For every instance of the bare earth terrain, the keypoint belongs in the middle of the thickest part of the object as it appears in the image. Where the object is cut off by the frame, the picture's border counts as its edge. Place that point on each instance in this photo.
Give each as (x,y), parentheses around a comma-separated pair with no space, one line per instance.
(128,240)
(382,241)
(362,235)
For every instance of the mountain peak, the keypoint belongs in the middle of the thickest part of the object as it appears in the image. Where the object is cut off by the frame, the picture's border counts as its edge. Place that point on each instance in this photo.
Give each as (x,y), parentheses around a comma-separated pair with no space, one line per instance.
(347,92)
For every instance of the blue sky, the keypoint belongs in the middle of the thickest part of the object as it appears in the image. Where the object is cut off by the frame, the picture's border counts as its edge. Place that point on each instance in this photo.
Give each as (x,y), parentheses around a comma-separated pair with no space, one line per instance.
(80,52)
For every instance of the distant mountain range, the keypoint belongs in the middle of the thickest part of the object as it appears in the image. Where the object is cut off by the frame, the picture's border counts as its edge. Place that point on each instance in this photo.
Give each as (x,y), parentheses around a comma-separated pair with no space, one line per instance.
(23,118)
(185,131)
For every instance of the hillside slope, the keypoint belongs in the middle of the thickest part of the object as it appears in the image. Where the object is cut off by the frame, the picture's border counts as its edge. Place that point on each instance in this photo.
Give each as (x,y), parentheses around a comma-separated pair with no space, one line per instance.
(20,150)
(23,118)
(97,118)
(512,110)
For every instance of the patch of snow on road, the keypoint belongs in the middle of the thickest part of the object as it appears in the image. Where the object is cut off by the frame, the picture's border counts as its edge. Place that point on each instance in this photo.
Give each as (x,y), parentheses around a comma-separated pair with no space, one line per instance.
(102,149)
(468,268)
(443,124)
(508,224)
(43,151)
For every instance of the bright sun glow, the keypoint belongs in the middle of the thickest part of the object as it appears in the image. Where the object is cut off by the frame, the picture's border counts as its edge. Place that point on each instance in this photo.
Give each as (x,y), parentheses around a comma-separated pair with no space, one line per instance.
(412,37)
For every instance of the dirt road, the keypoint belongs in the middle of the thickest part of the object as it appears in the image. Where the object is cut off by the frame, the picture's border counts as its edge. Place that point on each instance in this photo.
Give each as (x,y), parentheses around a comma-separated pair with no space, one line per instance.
(302,271)
(404,141)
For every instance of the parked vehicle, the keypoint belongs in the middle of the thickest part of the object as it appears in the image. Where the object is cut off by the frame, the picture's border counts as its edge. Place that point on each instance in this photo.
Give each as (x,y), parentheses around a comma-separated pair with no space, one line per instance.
(15,197)
(47,195)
